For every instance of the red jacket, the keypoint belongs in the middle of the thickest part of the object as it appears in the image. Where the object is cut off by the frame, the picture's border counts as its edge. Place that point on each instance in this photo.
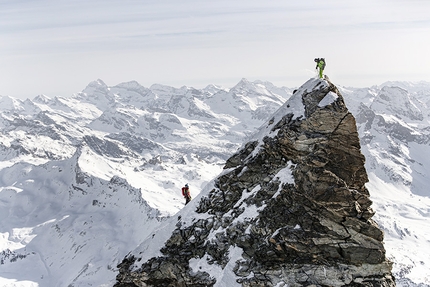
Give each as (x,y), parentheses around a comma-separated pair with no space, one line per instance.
(185,191)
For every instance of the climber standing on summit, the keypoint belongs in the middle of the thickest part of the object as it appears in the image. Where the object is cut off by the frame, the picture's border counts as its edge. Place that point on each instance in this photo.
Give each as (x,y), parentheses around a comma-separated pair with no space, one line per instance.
(186,193)
(321,65)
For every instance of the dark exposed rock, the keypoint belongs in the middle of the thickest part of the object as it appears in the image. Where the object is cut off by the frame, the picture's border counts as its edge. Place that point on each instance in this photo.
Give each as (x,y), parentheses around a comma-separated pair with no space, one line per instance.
(290,209)
(103,147)
(135,143)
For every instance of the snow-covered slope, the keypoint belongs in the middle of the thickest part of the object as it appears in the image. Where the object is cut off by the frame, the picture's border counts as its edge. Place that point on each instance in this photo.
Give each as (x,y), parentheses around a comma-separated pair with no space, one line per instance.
(151,141)
(84,179)
(60,226)
(394,125)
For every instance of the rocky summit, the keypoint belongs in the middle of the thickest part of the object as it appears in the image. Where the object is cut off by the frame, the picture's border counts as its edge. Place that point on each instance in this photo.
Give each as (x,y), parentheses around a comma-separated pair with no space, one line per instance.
(290,209)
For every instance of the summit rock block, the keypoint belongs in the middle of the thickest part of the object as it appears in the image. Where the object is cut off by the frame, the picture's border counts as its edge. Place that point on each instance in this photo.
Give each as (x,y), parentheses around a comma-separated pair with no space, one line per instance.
(290,209)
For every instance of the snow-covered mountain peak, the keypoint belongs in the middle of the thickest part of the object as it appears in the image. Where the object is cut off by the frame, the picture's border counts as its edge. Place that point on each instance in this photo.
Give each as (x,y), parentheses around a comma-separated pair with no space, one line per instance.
(243,83)
(245,86)
(98,94)
(97,84)
(211,89)
(95,87)
(399,101)
(42,99)
(10,104)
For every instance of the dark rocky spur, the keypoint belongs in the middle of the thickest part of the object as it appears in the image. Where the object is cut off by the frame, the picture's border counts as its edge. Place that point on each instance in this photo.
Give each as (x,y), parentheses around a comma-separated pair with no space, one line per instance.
(290,209)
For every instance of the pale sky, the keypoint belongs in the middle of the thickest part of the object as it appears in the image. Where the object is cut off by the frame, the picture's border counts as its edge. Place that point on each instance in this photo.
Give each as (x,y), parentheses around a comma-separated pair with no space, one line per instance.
(57,47)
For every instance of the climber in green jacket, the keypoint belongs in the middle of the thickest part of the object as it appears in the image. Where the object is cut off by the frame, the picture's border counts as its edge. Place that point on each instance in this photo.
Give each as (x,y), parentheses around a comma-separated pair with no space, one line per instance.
(321,65)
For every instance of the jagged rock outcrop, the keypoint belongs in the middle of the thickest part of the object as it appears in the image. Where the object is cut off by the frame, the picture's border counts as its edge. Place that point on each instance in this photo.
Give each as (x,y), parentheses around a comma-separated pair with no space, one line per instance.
(290,209)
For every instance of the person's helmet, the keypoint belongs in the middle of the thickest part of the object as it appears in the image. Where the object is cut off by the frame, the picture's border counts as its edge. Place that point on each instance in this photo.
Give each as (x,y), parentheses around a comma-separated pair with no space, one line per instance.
(316,60)
(186,185)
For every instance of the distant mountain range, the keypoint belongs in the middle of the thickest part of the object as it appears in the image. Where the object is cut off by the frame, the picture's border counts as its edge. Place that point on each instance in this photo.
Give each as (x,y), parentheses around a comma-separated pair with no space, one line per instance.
(85,179)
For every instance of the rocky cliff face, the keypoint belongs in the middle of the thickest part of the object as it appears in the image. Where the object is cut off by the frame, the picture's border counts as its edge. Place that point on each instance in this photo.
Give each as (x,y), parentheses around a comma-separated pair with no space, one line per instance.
(290,209)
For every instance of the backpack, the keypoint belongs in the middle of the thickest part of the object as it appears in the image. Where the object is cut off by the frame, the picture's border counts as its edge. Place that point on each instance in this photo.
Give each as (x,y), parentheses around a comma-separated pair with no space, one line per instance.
(323,60)
(185,191)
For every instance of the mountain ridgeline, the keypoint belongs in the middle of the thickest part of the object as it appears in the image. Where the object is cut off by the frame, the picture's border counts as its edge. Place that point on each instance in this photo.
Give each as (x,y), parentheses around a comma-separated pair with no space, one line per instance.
(289,209)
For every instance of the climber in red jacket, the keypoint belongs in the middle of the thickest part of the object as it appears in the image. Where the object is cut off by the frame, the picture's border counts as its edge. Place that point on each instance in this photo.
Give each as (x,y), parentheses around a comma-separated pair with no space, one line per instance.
(186,193)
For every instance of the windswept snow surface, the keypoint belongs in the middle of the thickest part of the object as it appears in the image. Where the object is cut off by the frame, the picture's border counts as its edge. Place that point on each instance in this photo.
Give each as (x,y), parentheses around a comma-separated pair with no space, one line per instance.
(87,179)
(405,219)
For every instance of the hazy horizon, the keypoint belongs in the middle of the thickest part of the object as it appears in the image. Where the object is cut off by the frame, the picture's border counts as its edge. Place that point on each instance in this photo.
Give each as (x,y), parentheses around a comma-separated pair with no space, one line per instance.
(57,48)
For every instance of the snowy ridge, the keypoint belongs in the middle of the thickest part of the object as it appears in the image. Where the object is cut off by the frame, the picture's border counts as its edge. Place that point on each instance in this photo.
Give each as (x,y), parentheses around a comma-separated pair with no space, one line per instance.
(148,142)
(70,219)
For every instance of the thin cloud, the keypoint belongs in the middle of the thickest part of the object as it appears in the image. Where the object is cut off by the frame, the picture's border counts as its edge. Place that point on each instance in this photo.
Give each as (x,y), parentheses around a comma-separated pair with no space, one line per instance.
(191,41)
